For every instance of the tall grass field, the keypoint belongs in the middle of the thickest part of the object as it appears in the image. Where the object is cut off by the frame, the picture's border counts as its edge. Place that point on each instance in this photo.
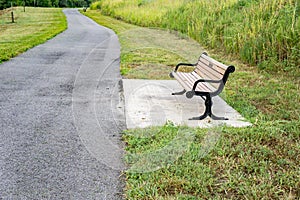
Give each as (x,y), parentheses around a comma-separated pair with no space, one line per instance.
(263,33)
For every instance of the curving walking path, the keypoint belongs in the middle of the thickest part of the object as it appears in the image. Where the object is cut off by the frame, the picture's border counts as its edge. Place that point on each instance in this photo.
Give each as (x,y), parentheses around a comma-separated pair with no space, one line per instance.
(61,116)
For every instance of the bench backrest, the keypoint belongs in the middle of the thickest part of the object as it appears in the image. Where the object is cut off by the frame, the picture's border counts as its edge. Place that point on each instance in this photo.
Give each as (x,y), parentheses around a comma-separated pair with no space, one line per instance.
(208,68)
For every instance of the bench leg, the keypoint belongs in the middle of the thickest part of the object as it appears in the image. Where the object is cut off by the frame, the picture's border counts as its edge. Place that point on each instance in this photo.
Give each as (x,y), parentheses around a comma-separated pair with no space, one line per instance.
(208,111)
(179,93)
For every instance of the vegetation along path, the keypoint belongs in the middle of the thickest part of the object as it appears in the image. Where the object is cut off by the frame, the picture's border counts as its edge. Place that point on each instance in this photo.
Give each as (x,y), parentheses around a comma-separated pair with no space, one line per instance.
(59,117)
(262,40)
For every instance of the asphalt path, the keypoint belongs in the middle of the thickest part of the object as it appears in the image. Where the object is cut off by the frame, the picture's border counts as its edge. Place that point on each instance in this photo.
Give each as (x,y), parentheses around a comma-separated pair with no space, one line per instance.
(61,117)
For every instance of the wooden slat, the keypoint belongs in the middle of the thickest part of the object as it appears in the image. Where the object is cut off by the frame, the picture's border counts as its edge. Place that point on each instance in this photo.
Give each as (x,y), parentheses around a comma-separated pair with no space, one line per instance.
(184,77)
(182,81)
(215,62)
(212,65)
(208,86)
(187,81)
(207,72)
(217,65)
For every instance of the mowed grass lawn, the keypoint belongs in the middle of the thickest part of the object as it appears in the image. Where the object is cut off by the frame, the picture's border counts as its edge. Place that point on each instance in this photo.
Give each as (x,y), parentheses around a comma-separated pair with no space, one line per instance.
(257,162)
(32,27)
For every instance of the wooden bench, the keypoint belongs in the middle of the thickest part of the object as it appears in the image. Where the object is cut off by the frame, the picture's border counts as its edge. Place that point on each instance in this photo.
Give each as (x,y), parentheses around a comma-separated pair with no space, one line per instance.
(206,80)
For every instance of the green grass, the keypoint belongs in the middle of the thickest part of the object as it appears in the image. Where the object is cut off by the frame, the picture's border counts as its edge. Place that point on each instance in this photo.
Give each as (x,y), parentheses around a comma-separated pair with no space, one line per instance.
(265,33)
(31,28)
(170,162)
(248,163)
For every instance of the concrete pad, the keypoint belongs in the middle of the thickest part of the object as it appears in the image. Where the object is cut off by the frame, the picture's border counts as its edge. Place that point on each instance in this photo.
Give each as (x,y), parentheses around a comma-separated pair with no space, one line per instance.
(150,103)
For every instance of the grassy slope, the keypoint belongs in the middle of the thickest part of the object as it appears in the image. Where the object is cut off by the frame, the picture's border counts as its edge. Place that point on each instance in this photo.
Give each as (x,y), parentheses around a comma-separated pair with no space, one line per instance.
(266,33)
(258,162)
(31,28)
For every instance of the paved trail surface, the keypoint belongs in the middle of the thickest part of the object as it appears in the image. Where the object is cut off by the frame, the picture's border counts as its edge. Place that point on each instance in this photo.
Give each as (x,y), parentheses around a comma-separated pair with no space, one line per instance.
(61,117)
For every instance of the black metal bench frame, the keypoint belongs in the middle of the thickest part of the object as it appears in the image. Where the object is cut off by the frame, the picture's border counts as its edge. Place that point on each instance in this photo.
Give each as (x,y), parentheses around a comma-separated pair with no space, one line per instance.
(212,69)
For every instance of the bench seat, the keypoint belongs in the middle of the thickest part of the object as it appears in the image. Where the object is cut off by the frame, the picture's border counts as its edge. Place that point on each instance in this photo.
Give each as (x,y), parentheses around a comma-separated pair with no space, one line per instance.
(187,81)
(206,80)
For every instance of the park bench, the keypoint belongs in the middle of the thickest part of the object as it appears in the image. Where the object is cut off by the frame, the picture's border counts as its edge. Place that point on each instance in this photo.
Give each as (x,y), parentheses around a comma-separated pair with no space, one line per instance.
(206,80)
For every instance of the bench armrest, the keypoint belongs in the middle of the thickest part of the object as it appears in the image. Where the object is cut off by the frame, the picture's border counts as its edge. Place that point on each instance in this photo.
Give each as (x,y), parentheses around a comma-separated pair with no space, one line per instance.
(205,80)
(184,64)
